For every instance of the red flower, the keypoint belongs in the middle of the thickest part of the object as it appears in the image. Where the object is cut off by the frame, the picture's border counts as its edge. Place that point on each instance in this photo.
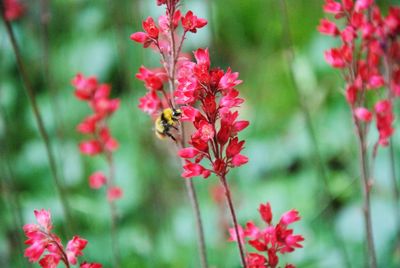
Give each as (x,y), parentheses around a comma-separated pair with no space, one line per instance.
(333,7)
(266,213)
(150,103)
(91,147)
(271,241)
(114,193)
(290,217)
(190,22)
(97,179)
(40,239)
(192,170)
(13,9)
(50,261)
(363,114)
(96,125)
(150,27)
(74,248)
(327,27)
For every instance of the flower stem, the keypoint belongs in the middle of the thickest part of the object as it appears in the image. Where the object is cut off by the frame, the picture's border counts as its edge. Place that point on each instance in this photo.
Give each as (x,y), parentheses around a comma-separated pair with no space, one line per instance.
(194,202)
(199,225)
(39,121)
(234,219)
(319,161)
(396,193)
(113,212)
(366,185)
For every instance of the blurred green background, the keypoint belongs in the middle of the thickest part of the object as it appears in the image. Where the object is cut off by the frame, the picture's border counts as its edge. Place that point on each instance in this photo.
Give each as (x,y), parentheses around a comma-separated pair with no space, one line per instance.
(60,38)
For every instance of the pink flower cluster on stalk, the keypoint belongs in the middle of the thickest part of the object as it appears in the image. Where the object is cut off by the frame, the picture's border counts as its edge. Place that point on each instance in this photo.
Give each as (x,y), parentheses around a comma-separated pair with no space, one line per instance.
(96,126)
(216,121)
(13,9)
(164,38)
(368,57)
(270,241)
(41,240)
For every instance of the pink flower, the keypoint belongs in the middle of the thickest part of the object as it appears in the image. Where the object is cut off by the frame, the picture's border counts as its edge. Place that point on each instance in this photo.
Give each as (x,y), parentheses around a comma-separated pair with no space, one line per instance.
(266,213)
(190,22)
(327,27)
(189,152)
(376,81)
(332,7)
(363,114)
(142,38)
(40,239)
(50,261)
(271,241)
(74,248)
(229,80)
(150,28)
(43,217)
(255,260)
(84,87)
(362,5)
(13,9)
(334,58)
(88,125)
(150,103)
(290,217)
(233,236)
(239,160)
(90,147)
(97,180)
(202,57)
(114,193)
(192,170)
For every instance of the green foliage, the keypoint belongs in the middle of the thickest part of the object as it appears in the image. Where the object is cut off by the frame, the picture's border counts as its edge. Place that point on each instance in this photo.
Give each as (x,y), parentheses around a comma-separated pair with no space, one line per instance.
(156,222)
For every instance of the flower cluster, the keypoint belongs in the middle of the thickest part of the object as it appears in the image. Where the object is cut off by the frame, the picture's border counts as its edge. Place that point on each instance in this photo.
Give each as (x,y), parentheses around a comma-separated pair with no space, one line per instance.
(165,39)
(13,9)
(41,239)
(270,241)
(368,57)
(215,121)
(101,142)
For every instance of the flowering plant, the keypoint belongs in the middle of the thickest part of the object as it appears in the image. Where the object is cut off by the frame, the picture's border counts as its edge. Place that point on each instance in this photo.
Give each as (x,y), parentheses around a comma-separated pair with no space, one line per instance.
(41,239)
(272,240)
(101,142)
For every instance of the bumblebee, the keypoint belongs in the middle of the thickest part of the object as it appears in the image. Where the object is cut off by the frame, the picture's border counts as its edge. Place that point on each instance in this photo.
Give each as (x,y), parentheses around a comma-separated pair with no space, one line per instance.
(167,120)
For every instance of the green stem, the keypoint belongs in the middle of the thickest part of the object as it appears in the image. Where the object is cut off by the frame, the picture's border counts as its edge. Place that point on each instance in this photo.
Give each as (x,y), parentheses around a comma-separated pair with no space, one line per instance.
(310,128)
(113,212)
(39,121)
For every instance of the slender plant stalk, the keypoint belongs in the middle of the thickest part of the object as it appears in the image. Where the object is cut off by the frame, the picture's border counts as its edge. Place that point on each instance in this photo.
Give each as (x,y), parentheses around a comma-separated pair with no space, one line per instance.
(290,55)
(113,213)
(366,185)
(234,219)
(191,191)
(9,195)
(190,188)
(39,121)
(10,190)
(396,192)
(55,105)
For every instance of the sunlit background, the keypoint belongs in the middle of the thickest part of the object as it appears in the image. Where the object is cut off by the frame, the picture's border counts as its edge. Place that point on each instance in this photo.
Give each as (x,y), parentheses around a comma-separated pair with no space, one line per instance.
(156,227)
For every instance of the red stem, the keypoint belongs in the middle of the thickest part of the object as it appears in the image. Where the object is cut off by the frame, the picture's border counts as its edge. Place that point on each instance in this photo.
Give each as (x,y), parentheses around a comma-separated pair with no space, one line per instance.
(234,219)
